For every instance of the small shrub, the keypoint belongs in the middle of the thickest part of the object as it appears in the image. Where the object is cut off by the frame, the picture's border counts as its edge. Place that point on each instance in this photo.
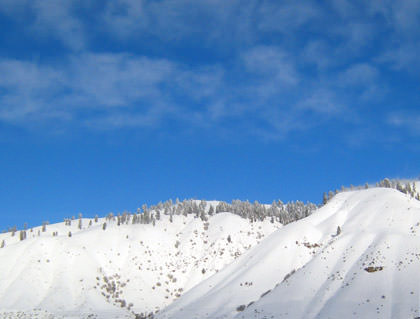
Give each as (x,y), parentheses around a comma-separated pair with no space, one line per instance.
(374,269)
(240,308)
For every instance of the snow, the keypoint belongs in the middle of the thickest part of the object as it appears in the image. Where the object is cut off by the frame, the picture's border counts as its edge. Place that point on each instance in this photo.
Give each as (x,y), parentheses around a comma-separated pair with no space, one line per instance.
(150,266)
(379,228)
(356,257)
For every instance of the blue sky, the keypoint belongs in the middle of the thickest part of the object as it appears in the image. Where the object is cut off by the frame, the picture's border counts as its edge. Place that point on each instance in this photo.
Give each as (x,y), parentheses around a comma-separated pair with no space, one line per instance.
(106,105)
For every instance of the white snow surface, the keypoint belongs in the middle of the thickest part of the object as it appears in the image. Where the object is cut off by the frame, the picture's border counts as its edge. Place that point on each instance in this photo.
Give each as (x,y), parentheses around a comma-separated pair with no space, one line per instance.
(356,257)
(308,269)
(88,274)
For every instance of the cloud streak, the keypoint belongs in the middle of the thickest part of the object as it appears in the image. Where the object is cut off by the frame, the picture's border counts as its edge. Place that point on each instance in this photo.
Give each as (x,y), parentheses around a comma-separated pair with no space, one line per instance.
(410,122)
(270,67)
(123,90)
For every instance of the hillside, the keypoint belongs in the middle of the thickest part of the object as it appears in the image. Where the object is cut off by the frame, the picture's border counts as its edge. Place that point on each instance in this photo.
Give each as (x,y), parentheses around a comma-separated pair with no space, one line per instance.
(356,257)
(119,271)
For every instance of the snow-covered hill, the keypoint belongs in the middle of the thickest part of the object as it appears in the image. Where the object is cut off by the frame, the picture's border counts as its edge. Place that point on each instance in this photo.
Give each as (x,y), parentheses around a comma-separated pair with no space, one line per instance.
(125,269)
(356,257)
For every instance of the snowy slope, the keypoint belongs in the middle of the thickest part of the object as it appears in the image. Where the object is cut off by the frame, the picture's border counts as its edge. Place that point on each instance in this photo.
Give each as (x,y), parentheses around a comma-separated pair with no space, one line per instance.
(99,273)
(369,268)
(356,257)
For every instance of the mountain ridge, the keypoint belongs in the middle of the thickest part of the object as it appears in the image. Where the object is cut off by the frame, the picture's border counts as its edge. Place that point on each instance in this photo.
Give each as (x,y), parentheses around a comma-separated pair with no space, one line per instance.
(219,265)
(359,238)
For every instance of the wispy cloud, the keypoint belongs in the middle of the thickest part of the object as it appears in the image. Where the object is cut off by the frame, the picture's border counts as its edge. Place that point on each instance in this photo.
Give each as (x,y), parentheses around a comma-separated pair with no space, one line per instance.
(270,67)
(266,61)
(129,90)
(323,102)
(116,80)
(184,20)
(410,122)
(48,18)
(106,91)
(59,19)
(361,74)
(287,17)
(27,91)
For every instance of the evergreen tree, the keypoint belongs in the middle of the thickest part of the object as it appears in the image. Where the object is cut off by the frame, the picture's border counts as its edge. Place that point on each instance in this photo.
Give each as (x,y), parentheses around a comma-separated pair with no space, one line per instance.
(211,211)
(203,216)
(134,219)
(408,189)
(124,218)
(324,198)
(386,183)
(104,226)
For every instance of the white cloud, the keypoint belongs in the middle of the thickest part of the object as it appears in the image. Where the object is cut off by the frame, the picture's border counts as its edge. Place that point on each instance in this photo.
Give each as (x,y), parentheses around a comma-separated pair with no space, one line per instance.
(357,36)
(271,62)
(205,21)
(323,102)
(402,58)
(401,16)
(403,33)
(287,16)
(106,91)
(261,73)
(202,82)
(116,80)
(318,52)
(410,122)
(359,74)
(364,78)
(124,17)
(114,89)
(58,19)
(28,90)
(48,18)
